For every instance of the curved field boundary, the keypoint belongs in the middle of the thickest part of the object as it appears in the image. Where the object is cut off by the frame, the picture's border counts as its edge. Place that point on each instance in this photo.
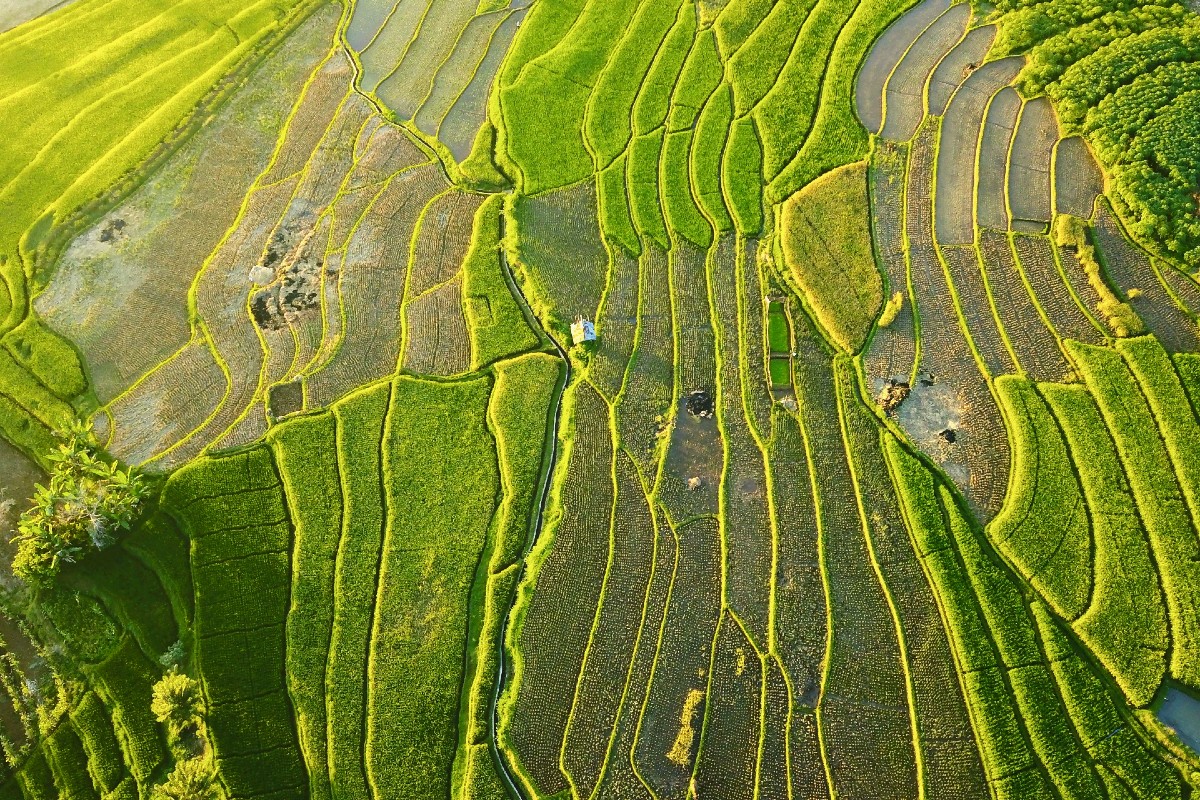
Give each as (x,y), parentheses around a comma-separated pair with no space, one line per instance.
(1045,528)
(1029,166)
(966,57)
(954,216)
(786,115)
(947,754)
(991,182)
(446,24)
(458,69)
(118,135)
(1157,494)
(460,125)
(904,101)
(975,307)
(885,55)
(387,46)
(1035,256)
(891,353)
(1035,346)
(1078,179)
(1128,267)
(1126,623)
(367,20)
(960,396)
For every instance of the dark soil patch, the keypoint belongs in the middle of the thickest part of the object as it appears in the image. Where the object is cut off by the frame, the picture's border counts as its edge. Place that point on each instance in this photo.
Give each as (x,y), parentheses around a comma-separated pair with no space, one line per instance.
(285,398)
(694,461)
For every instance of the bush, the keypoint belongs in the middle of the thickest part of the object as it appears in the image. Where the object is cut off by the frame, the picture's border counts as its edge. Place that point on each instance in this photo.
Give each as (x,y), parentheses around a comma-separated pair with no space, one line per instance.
(91,720)
(894,304)
(85,503)
(1124,75)
(177,703)
(1072,232)
(192,779)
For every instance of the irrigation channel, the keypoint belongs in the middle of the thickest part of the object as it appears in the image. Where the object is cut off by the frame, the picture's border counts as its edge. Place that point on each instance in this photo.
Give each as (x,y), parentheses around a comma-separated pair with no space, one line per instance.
(549,456)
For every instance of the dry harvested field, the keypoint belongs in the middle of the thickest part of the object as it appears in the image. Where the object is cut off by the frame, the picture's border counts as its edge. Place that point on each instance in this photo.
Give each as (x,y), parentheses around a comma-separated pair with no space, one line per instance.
(575,400)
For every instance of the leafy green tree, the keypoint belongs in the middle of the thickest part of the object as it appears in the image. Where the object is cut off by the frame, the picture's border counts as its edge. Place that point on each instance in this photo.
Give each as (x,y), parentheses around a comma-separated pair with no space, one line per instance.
(193,779)
(177,702)
(84,504)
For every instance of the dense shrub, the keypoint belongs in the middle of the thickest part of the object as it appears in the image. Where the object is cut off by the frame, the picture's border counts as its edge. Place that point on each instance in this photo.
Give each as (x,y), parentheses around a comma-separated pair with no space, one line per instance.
(86,501)
(1123,73)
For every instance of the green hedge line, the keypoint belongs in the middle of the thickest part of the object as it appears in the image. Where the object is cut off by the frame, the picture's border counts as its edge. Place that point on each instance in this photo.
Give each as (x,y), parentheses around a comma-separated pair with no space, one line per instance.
(1188,367)
(36,779)
(1000,600)
(1053,736)
(786,114)
(69,763)
(837,137)
(1021,720)
(998,729)
(125,682)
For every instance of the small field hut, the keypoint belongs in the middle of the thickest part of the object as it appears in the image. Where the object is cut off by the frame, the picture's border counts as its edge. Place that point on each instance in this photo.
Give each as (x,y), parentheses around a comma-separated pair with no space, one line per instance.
(582,330)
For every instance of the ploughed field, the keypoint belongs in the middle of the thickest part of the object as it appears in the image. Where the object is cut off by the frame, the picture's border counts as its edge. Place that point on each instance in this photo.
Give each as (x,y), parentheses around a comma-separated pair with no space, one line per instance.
(880,478)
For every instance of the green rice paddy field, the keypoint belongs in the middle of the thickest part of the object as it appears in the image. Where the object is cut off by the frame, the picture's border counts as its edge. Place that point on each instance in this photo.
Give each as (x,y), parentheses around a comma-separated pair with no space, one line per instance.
(879,479)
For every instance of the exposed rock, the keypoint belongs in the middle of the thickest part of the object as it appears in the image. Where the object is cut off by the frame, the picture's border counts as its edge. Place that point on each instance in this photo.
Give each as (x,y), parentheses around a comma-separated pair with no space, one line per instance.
(893,394)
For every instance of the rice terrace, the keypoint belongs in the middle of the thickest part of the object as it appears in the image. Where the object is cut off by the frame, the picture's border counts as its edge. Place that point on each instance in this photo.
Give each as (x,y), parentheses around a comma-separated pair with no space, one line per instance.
(589,399)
